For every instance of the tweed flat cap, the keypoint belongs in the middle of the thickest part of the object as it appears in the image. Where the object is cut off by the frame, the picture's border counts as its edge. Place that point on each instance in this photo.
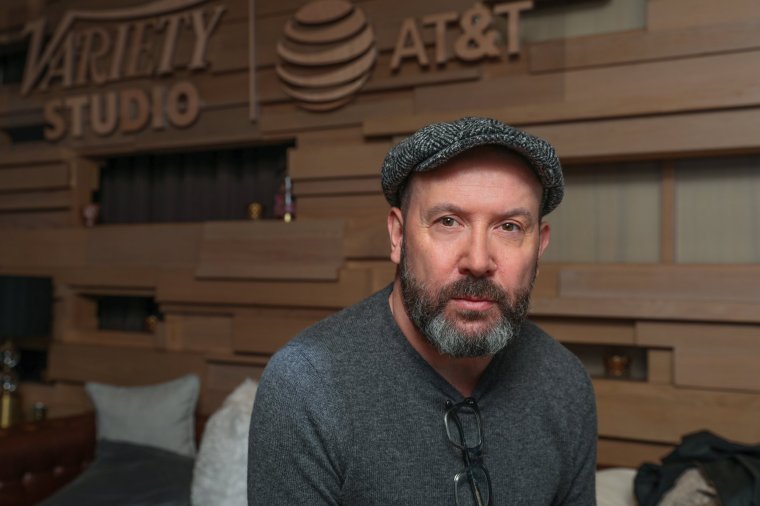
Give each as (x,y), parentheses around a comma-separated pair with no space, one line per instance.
(435,144)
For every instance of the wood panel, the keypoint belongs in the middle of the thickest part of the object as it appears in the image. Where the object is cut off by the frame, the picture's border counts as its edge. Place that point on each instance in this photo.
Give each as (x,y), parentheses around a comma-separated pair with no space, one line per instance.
(90,279)
(643,45)
(337,160)
(44,247)
(660,366)
(647,309)
(715,356)
(726,283)
(203,333)
(302,249)
(223,375)
(623,453)
(342,186)
(366,234)
(663,413)
(662,15)
(632,138)
(44,177)
(265,331)
(588,331)
(144,340)
(36,201)
(61,398)
(655,87)
(180,286)
(289,118)
(383,78)
(119,365)
(36,219)
(157,245)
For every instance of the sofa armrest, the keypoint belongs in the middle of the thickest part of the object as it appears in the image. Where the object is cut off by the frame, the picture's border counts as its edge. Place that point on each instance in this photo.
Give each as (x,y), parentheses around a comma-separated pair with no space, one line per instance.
(38,458)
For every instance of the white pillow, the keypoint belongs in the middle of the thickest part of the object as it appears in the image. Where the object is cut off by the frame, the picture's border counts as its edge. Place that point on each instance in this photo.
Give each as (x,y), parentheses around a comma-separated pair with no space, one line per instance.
(221,468)
(162,415)
(614,487)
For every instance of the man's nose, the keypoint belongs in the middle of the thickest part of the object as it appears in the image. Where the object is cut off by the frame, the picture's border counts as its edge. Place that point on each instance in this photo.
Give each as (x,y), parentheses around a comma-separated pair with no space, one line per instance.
(477,259)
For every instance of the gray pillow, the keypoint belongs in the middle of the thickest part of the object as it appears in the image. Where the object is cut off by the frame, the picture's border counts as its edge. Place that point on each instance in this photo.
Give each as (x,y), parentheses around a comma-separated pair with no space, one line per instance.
(161,416)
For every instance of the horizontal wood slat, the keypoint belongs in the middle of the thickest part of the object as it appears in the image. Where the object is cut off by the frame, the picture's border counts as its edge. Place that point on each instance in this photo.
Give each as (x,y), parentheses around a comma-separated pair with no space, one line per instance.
(119,365)
(643,45)
(144,340)
(61,398)
(223,375)
(663,413)
(342,186)
(180,286)
(36,201)
(646,88)
(708,355)
(271,250)
(267,330)
(157,245)
(366,234)
(194,332)
(35,178)
(728,283)
(337,161)
(662,15)
(622,453)
(577,330)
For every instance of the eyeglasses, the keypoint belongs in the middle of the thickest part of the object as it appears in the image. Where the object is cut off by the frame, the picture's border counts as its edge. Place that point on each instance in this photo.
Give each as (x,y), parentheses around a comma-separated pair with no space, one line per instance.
(464,429)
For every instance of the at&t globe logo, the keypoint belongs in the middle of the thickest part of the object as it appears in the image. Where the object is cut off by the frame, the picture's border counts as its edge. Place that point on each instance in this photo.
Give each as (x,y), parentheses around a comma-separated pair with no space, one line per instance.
(326,54)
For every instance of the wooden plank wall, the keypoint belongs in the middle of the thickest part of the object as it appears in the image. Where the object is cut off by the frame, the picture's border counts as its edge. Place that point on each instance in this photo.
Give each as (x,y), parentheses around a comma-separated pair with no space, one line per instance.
(684,86)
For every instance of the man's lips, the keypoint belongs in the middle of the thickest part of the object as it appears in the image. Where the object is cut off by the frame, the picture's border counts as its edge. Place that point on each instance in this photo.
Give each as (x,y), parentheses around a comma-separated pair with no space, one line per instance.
(472,304)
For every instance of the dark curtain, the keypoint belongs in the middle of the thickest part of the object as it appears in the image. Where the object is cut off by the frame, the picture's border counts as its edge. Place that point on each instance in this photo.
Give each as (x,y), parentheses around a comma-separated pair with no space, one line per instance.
(26,304)
(125,313)
(201,186)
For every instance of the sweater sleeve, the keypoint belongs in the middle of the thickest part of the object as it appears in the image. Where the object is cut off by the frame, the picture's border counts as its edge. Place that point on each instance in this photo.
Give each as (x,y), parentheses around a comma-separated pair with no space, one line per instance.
(581,490)
(295,439)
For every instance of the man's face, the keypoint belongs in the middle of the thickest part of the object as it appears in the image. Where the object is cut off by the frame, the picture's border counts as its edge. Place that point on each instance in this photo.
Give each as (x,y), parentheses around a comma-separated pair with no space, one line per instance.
(467,248)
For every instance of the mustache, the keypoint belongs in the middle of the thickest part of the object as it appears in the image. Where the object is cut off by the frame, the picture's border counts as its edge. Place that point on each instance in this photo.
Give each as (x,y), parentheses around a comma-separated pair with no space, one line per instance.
(471,287)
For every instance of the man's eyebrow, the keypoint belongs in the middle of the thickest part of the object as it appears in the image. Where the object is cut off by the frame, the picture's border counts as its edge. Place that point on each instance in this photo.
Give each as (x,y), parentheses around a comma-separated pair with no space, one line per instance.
(448,208)
(445,208)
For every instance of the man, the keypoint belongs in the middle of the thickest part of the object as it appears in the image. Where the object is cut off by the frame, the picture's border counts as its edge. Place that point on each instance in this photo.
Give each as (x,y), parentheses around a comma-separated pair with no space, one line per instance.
(435,390)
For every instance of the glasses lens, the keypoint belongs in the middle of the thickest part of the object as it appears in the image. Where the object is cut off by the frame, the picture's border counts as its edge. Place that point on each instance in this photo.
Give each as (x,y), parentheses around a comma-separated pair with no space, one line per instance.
(463,427)
(473,487)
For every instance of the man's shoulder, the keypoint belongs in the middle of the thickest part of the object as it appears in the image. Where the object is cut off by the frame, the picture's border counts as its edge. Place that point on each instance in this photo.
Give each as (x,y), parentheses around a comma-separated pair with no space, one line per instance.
(344,334)
(364,316)
(551,357)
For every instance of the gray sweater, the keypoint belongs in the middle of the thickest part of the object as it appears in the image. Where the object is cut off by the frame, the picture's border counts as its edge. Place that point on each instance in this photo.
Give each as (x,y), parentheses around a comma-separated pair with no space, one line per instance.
(349,413)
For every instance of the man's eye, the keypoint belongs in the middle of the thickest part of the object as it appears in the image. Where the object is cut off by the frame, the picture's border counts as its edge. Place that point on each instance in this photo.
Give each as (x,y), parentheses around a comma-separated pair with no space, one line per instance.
(510,227)
(448,221)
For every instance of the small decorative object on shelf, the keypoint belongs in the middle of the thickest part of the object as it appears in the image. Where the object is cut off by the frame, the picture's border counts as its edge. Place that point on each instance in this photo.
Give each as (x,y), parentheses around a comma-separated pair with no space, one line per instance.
(151,322)
(255,211)
(617,365)
(91,211)
(284,203)
(10,401)
(39,411)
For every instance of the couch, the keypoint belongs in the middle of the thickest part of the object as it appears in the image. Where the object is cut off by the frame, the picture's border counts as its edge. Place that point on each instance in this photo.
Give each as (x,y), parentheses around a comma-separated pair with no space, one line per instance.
(39,458)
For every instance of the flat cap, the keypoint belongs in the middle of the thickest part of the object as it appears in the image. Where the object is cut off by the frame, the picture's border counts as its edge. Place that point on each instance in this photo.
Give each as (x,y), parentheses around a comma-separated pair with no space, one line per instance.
(437,143)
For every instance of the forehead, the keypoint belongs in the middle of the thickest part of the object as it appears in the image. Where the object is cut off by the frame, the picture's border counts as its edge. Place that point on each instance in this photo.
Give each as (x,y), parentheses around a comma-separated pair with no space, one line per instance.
(489,169)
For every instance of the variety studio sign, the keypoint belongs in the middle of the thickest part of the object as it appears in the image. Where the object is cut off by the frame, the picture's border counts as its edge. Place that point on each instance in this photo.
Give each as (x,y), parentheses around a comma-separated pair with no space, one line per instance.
(325,56)
(113,47)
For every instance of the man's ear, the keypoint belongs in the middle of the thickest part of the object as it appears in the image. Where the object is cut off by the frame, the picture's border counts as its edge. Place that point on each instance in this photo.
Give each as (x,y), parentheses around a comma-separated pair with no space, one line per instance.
(544,234)
(396,233)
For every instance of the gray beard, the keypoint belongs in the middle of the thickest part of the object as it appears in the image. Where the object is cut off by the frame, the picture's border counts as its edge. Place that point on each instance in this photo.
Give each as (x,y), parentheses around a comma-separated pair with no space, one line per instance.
(426,311)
